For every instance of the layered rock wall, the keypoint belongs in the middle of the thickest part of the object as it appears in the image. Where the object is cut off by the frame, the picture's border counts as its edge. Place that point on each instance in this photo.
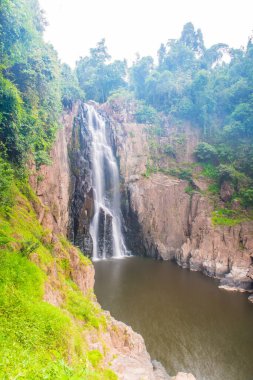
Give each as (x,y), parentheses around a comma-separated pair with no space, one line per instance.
(178,226)
(65,208)
(52,182)
(164,221)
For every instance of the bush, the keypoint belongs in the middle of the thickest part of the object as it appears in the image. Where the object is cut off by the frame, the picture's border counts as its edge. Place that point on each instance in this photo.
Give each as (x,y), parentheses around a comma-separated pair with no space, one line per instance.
(121,95)
(169,150)
(206,153)
(181,173)
(210,171)
(95,357)
(146,114)
(42,158)
(225,153)
(11,117)
(6,183)
(247,197)
(229,173)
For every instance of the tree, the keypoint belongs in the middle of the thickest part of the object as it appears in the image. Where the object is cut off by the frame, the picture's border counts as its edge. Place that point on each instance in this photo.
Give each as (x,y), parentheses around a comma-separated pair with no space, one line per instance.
(97,76)
(30,81)
(70,89)
(193,40)
(139,73)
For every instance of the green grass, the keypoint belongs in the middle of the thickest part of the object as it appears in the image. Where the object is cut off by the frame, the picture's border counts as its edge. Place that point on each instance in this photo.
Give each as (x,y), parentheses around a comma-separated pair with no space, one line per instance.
(226,217)
(184,173)
(189,189)
(210,171)
(31,331)
(213,188)
(37,339)
(83,308)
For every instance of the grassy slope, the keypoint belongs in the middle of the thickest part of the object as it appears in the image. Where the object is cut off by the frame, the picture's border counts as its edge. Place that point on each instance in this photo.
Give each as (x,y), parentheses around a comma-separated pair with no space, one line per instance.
(38,340)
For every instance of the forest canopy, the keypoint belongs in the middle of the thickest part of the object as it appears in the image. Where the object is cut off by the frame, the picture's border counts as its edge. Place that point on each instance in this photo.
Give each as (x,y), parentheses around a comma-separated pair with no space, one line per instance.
(211,88)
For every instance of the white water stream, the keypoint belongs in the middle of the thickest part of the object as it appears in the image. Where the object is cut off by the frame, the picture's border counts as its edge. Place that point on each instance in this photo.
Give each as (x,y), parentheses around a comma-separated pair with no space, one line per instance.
(105,227)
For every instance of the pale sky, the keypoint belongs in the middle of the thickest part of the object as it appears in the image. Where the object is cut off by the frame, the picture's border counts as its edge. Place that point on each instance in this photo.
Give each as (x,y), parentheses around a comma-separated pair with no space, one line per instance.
(131,26)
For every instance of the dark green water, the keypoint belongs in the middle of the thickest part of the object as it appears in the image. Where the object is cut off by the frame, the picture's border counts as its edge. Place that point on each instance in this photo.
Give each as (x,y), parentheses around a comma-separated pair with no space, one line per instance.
(188,323)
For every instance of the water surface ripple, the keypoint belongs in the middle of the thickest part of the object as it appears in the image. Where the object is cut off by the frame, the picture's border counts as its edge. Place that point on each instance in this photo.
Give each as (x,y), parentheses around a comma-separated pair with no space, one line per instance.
(188,323)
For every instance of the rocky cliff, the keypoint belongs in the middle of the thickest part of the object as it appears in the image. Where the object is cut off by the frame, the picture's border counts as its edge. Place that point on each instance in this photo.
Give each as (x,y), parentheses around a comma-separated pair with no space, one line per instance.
(65,207)
(52,183)
(170,222)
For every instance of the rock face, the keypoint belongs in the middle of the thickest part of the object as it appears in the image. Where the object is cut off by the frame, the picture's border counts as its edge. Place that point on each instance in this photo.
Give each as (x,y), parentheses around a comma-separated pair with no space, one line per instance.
(132,361)
(227,191)
(66,207)
(178,226)
(81,196)
(169,223)
(52,183)
(64,187)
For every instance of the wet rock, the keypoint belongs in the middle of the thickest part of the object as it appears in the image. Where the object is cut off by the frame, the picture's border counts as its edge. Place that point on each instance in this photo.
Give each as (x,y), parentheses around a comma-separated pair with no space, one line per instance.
(242,284)
(159,371)
(81,195)
(105,241)
(132,361)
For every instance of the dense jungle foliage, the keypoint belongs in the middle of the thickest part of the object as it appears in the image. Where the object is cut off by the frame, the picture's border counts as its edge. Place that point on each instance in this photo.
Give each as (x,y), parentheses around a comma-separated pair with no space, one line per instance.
(37,340)
(213,90)
(34,87)
(209,87)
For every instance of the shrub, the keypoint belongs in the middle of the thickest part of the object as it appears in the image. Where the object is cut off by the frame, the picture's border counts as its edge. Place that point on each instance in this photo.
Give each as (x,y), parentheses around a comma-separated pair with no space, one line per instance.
(189,189)
(214,188)
(229,173)
(210,171)
(42,158)
(6,183)
(169,150)
(146,114)
(247,197)
(83,308)
(95,357)
(182,173)
(225,153)
(206,153)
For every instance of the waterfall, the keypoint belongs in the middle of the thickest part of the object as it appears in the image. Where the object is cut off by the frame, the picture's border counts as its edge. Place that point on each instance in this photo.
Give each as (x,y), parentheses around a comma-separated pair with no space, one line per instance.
(105,227)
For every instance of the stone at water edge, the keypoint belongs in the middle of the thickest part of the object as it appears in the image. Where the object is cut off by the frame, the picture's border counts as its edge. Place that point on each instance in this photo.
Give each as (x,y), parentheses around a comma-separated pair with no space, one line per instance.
(159,371)
(251,298)
(183,376)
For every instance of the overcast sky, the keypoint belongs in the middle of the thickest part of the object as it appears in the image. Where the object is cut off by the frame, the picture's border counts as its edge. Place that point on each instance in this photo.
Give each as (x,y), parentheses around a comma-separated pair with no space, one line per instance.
(131,26)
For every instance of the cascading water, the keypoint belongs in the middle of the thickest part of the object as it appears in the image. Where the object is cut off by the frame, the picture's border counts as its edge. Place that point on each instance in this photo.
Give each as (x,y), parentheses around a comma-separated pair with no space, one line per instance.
(105,227)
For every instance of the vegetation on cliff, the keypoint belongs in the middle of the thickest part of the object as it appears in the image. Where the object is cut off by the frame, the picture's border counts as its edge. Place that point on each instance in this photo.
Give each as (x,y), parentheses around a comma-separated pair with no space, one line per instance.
(211,89)
(189,84)
(33,84)
(38,339)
